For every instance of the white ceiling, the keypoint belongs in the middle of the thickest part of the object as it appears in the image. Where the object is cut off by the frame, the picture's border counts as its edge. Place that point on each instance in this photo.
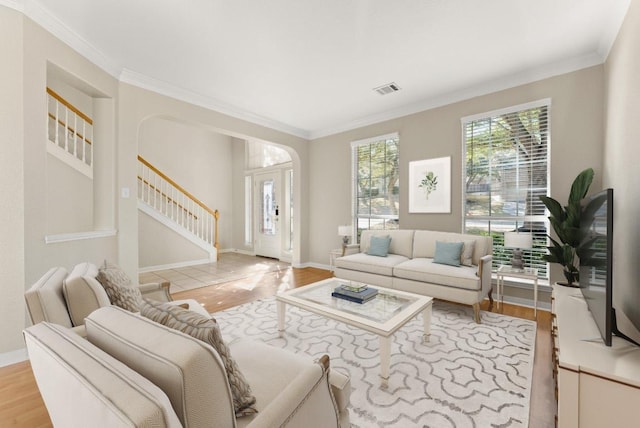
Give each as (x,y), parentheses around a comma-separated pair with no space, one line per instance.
(308,67)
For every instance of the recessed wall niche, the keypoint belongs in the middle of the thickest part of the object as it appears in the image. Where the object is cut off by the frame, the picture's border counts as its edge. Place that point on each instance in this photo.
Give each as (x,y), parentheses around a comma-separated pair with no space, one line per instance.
(80,165)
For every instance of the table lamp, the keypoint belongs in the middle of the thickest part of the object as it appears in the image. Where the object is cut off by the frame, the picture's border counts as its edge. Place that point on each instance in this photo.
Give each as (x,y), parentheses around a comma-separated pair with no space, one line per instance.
(345,232)
(518,241)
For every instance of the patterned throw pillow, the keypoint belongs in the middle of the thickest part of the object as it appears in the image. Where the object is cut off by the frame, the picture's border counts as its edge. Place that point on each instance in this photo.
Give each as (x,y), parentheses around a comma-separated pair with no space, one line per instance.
(208,331)
(119,288)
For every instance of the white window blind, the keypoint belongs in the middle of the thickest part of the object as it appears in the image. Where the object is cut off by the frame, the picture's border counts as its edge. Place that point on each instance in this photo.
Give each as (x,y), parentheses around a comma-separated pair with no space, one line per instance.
(506,170)
(375,183)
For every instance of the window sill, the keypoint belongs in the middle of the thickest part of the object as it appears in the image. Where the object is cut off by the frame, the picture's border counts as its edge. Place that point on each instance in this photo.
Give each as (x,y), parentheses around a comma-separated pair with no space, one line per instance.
(66,237)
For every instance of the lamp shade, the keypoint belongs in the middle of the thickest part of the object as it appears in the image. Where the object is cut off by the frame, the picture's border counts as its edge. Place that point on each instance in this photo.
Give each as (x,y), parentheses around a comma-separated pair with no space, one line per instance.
(344,230)
(518,240)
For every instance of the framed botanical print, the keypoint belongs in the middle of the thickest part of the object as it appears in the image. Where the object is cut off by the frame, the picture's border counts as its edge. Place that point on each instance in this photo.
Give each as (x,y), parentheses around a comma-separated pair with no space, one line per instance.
(430,185)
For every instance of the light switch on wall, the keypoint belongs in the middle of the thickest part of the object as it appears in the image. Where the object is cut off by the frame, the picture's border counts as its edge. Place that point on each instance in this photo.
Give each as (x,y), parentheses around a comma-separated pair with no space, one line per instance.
(124,193)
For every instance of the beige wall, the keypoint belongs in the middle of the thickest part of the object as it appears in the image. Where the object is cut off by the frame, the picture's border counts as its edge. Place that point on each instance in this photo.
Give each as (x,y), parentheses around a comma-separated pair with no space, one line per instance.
(160,246)
(200,161)
(621,158)
(576,143)
(12,257)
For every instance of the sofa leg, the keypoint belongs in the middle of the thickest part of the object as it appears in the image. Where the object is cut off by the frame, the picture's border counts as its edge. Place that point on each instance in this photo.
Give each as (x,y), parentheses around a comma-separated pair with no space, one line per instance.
(476,312)
(491,298)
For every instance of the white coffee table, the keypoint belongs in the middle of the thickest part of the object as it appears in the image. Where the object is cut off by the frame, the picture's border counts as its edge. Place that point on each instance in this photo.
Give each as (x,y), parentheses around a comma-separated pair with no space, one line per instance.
(383,316)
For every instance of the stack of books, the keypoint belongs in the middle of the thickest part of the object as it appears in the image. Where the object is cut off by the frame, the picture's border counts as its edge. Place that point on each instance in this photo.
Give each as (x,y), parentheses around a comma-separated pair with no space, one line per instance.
(355,293)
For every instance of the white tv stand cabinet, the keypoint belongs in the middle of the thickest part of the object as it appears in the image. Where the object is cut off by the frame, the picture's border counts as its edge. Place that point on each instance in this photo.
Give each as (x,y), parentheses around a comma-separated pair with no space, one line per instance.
(597,386)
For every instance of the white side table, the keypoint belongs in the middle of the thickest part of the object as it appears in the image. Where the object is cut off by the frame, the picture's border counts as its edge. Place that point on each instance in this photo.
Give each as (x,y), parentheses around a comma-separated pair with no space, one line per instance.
(526,273)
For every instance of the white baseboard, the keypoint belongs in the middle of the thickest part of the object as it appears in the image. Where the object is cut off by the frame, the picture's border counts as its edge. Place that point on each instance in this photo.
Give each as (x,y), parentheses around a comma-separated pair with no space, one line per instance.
(313,265)
(13,357)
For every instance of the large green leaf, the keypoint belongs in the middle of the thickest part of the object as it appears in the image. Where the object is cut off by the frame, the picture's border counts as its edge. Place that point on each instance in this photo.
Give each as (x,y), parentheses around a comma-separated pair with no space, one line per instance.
(581,185)
(554,207)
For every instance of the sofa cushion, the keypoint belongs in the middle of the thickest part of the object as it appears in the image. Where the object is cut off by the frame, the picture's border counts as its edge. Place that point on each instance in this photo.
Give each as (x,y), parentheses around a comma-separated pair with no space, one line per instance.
(401,241)
(425,270)
(188,370)
(371,264)
(448,253)
(379,246)
(78,381)
(119,288)
(424,244)
(207,330)
(466,257)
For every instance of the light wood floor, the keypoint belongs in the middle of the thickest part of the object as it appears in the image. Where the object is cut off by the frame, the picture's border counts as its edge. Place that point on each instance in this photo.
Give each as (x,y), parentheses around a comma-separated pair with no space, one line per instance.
(22,406)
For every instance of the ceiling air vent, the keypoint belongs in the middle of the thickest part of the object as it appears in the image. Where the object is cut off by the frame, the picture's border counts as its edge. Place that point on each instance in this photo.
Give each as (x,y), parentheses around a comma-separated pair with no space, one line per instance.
(387,89)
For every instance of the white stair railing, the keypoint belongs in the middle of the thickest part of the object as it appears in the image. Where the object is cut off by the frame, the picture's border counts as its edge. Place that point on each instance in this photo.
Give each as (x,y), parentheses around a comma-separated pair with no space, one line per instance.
(70,134)
(165,196)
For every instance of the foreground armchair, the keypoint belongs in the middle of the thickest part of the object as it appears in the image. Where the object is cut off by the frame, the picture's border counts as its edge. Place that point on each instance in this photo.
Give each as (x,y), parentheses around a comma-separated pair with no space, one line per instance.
(67,299)
(136,372)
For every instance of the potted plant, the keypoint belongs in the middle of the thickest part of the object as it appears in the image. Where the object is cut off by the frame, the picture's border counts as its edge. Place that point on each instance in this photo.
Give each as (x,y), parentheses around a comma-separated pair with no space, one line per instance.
(566,223)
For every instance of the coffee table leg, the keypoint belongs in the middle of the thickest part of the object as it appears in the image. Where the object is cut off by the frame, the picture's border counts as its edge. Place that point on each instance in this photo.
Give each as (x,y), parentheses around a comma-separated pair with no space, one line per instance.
(385,359)
(281,312)
(426,318)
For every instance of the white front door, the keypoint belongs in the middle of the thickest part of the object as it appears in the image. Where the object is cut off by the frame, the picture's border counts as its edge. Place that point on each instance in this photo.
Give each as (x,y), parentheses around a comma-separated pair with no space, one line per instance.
(267,218)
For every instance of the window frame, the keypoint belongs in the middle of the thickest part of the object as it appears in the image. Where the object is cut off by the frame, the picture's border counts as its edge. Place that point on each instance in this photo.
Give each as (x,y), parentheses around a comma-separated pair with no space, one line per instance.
(517,219)
(355,216)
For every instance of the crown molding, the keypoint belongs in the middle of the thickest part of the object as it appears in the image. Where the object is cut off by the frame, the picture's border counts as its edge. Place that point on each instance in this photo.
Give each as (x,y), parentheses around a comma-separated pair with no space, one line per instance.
(158,86)
(60,30)
(495,85)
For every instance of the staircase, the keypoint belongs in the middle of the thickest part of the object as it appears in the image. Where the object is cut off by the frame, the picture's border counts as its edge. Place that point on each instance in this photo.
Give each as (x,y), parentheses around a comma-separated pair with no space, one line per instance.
(169,203)
(70,134)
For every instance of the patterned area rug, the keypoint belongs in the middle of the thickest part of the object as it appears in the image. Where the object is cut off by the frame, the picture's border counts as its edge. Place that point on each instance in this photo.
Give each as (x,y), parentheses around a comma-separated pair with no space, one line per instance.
(468,375)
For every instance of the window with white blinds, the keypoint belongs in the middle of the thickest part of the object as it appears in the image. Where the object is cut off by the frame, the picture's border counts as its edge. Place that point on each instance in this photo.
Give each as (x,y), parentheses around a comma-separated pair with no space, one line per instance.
(375,183)
(506,170)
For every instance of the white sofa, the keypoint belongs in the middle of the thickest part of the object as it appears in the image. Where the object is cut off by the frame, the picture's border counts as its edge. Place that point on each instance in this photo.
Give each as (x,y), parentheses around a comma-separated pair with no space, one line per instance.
(409,266)
(134,372)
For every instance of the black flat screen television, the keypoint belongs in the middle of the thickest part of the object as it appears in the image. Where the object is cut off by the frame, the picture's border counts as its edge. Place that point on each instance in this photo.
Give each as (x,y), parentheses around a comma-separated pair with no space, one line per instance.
(596,266)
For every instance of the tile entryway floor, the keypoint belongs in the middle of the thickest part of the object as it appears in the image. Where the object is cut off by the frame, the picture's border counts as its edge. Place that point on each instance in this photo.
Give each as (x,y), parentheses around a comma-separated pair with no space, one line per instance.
(229,267)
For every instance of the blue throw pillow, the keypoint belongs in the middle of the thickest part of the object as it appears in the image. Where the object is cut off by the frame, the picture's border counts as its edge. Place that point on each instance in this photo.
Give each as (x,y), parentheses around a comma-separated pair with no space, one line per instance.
(379,246)
(448,253)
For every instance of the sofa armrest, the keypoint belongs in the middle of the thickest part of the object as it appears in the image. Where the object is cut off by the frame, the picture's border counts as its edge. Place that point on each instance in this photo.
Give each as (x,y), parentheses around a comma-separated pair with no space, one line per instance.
(306,401)
(484,272)
(351,249)
(341,388)
(156,291)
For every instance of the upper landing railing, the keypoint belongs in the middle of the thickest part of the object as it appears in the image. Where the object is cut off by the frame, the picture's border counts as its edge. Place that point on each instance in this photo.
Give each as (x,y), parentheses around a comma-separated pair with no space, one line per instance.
(70,133)
(167,197)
